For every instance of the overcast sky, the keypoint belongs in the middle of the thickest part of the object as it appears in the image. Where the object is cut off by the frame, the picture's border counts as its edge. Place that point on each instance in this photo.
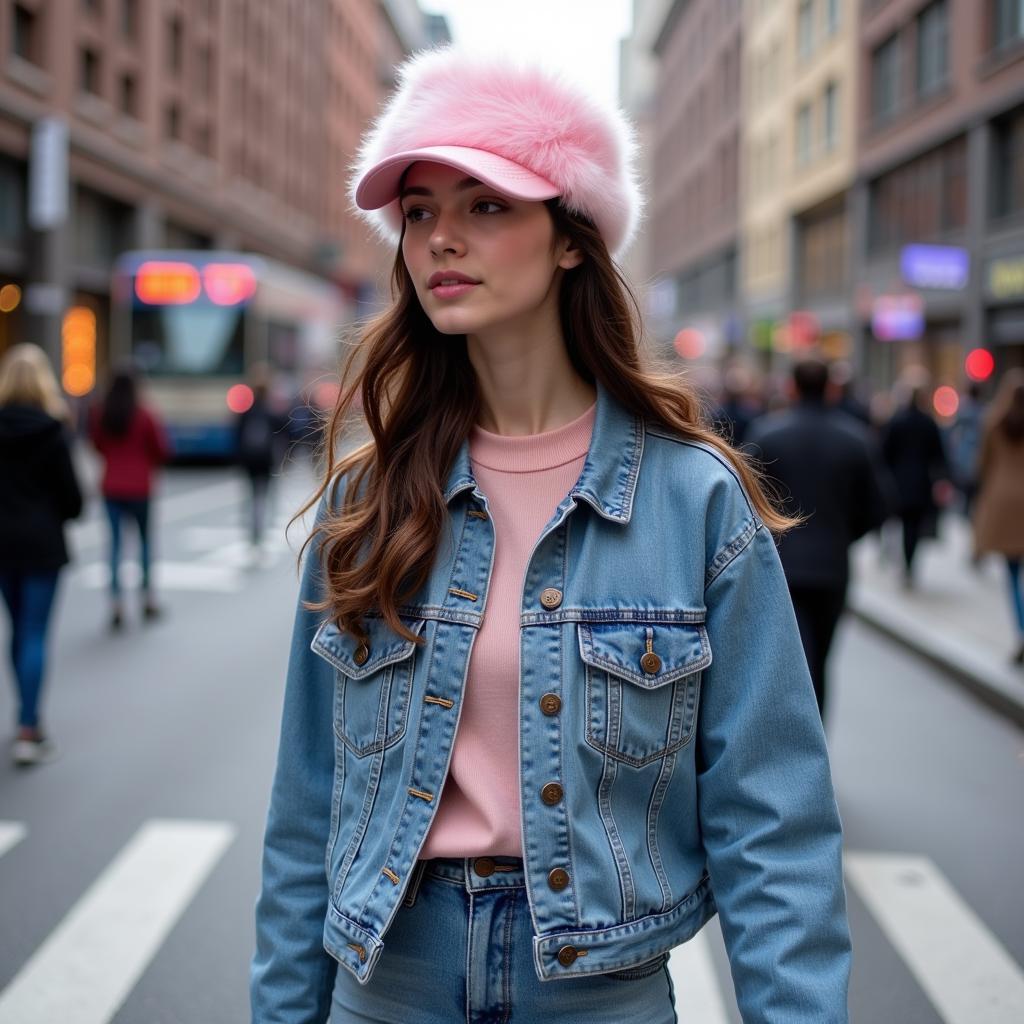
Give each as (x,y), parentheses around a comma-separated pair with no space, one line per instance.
(581,35)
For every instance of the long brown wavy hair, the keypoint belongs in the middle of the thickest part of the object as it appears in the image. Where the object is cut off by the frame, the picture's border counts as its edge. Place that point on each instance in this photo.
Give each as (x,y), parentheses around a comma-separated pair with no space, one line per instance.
(420,399)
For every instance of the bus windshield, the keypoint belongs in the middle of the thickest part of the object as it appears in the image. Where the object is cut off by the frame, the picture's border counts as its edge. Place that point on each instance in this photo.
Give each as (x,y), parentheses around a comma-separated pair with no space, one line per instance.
(188,340)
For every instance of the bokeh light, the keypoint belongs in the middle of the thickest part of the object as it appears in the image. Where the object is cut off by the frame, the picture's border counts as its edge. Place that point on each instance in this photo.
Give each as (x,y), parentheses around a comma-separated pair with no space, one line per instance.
(10,297)
(240,398)
(979,364)
(690,344)
(946,401)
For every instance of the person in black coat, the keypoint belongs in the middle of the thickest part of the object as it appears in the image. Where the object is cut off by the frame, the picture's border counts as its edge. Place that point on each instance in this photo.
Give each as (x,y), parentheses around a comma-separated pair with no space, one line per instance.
(913,451)
(39,492)
(826,468)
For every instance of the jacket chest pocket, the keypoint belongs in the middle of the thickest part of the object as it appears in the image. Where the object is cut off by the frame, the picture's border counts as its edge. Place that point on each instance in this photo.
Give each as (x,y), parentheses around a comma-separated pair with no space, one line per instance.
(373,683)
(642,686)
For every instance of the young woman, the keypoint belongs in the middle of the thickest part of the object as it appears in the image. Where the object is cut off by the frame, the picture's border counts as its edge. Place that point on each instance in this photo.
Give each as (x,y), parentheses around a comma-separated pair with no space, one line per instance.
(39,492)
(547,709)
(132,442)
(999,512)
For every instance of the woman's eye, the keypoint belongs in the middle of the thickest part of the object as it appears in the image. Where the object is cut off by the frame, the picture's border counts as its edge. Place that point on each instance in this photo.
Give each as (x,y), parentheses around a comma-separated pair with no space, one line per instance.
(495,207)
(413,215)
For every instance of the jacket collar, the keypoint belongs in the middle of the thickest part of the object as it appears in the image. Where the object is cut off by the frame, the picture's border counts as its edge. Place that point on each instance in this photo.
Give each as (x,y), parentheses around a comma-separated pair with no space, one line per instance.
(608,479)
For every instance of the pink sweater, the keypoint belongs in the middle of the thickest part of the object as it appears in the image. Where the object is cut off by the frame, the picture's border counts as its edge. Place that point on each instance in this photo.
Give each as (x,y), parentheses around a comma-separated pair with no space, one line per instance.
(525,479)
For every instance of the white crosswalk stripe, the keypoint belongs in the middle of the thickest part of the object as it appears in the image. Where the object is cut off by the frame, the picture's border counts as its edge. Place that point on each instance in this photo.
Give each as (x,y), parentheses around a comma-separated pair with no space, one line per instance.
(966,973)
(11,833)
(83,972)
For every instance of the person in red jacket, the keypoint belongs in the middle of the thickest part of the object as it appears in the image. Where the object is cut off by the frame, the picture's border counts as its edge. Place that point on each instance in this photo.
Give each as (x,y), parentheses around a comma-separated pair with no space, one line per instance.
(133,443)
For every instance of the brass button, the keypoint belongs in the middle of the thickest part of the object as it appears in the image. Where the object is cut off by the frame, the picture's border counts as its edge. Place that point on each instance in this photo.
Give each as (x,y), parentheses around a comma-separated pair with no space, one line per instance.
(551,703)
(650,663)
(558,879)
(484,866)
(551,793)
(551,597)
(567,955)
(362,653)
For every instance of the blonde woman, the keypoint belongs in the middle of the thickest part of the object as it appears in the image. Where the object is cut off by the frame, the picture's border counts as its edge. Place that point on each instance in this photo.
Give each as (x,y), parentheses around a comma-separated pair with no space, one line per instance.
(38,494)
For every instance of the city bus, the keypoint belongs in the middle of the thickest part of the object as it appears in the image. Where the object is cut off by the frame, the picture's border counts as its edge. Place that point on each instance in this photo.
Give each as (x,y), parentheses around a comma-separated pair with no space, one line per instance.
(194,323)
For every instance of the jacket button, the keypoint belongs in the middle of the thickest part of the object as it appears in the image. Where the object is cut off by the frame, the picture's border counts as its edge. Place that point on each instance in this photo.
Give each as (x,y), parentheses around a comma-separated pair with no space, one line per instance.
(551,597)
(567,955)
(551,703)
(551,793)
(362,653)
(650,663)
(558,879)
(484,866)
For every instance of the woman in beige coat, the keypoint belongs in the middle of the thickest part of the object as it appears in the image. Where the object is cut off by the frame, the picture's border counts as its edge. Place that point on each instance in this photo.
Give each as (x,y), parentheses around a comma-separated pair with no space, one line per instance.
(999,514)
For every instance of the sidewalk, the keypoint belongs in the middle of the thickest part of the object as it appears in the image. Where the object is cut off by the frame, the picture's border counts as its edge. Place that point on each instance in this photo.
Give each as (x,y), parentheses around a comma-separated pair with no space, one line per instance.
(957,616)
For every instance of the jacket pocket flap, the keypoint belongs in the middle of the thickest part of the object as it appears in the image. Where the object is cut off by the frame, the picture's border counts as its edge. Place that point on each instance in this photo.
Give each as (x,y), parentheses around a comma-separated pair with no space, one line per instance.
(385,646)
(620,648)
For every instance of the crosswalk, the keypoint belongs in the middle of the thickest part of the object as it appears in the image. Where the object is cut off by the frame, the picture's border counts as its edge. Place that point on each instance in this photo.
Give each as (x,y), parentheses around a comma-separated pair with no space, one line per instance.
(116,929)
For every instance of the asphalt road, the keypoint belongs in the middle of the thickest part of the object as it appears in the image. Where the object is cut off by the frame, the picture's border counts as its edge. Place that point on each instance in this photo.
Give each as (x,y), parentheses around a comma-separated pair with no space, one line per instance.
(140,846)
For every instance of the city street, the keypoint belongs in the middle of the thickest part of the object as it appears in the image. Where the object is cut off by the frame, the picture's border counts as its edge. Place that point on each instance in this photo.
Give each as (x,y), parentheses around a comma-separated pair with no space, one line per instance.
(129,866)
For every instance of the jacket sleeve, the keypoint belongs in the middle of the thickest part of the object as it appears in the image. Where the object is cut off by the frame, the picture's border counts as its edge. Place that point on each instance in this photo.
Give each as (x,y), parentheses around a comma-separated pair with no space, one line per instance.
(768,814)
(873,492)
(67,490)
(157,442)
(291,975)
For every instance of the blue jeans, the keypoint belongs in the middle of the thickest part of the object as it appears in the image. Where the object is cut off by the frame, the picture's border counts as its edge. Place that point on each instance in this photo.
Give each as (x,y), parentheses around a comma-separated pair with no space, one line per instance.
(1013,566)
(117,509)
(463,952)
(29,598)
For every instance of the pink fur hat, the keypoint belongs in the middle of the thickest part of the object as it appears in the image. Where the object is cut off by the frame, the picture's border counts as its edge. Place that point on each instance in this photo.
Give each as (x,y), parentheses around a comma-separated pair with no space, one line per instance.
(520,127)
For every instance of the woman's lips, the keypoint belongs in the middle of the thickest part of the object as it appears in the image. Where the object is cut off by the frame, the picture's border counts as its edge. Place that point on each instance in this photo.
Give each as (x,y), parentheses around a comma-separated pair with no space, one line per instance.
(452,291)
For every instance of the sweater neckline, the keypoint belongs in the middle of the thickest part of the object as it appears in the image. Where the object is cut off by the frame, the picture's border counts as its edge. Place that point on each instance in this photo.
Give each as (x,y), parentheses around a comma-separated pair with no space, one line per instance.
(528,453)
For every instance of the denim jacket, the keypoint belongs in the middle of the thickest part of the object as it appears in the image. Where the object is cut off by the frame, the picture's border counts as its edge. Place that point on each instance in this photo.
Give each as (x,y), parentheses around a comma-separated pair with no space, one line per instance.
(662,687)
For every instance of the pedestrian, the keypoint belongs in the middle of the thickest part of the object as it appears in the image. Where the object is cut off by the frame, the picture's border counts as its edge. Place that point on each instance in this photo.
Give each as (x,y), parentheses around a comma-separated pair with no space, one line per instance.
(913,451)
(965,444)
(826,464)
(132,441)
(546,709)
(39,493)
(999,512)
(260,437)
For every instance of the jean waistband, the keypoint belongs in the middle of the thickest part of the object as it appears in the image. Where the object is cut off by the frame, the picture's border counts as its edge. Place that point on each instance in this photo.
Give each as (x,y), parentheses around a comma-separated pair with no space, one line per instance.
(478,874)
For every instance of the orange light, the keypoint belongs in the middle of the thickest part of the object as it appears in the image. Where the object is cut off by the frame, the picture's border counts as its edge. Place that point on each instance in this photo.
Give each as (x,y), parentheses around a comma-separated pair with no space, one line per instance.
(979,364)
(78,351)
(167,284)
(946,401)
(10,296)
(240,398)
(690,343)
(228,284)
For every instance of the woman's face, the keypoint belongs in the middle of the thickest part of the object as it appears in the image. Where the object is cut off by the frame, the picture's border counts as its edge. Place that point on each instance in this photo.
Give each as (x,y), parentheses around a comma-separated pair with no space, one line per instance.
(505,248)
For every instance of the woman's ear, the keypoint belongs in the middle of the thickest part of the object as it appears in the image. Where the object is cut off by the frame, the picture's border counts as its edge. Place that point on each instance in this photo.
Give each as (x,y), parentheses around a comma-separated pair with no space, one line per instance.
(572,256)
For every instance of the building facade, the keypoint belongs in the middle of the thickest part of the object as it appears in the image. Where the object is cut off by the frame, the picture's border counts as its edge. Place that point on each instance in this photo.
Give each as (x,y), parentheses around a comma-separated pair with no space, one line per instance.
(939,199)
(223,124)
(695,139)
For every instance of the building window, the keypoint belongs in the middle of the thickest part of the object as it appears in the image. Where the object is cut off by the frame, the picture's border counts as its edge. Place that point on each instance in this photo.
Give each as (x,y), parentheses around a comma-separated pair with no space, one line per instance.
(93,7)
(25,41)
(129,100)
(175,44)
(832,15)
(925,200)
(885,80)
(204,71)
(89,76)
(805,28)
(803,135)
(822,256)
(1007,22)
(1008,165)
(933,48)
(172,121)
(130,19)
(831,117)
(12,202)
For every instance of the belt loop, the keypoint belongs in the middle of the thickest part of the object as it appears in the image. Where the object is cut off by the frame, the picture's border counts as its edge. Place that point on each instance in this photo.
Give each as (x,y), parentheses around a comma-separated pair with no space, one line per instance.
(414,885)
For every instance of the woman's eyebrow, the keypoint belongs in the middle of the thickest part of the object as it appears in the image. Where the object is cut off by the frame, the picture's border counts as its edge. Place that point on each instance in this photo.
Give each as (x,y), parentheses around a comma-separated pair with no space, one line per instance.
(419,190)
